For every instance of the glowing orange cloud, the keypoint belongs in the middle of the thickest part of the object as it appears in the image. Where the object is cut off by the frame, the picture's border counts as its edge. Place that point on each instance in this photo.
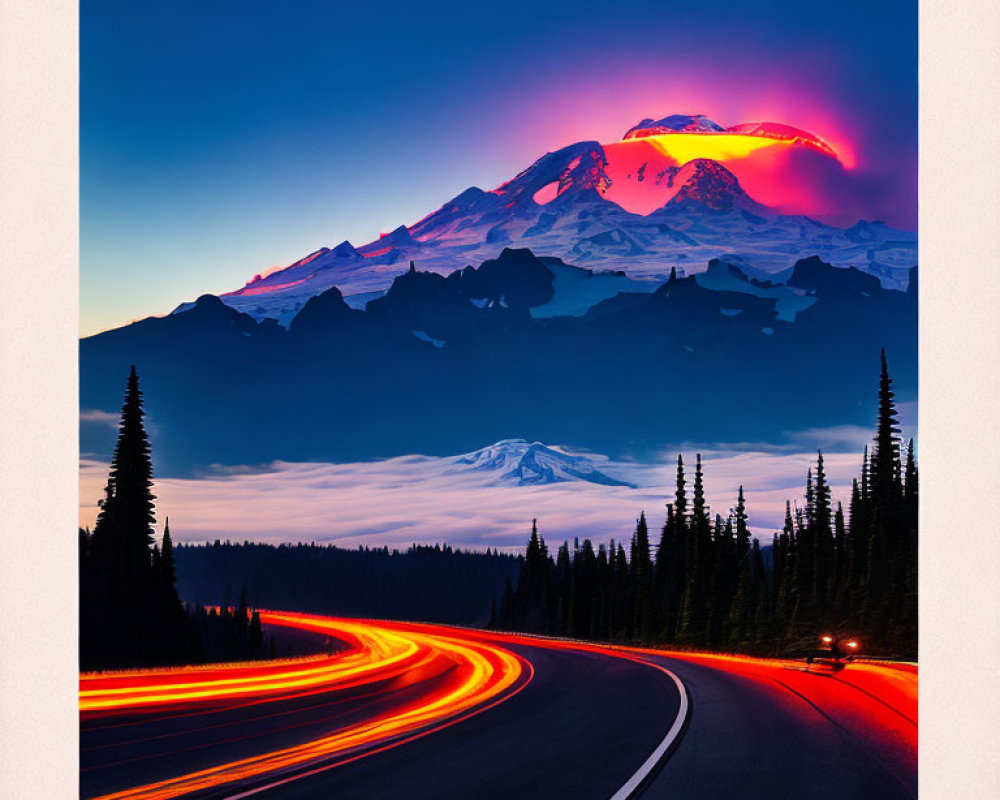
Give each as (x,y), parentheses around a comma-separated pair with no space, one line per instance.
(775,164)
(555,114)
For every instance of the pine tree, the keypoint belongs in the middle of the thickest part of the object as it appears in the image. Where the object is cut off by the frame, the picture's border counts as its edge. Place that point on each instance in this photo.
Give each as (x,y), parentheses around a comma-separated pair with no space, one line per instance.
(787,591)
(887,559)
(761,608)
(566,591)
(908,554)
(821,496)
(742,528)
(810,497)
(127,517)
(118,598)
(694,607)
(822,539)
(642,581)
(743,601)
(256,636)
(620,586)
(167,570)
(911,491)
(672,559)
(534,593)
(699,509)
(680,499)
(723,581)
(585,568)
(886,478)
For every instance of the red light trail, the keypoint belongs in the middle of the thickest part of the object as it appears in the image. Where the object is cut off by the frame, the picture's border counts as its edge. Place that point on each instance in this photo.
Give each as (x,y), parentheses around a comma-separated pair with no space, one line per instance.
(469,675)
(450,674)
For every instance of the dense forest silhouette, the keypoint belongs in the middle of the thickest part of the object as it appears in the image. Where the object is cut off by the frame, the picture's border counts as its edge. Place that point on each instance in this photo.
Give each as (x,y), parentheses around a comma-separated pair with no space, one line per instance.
(429,583)
(705,584)
(345,385)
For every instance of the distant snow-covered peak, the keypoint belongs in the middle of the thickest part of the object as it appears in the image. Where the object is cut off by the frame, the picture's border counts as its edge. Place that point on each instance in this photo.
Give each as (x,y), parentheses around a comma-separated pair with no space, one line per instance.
(525,463)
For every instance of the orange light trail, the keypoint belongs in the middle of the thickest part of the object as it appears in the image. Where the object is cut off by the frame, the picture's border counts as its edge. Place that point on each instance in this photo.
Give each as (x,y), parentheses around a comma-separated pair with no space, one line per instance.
(876,700)
(458,673)
(371,655)
(469,676)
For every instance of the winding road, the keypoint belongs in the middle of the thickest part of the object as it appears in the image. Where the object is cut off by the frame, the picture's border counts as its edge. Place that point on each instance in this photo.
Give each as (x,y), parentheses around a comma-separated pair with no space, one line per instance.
(407,710)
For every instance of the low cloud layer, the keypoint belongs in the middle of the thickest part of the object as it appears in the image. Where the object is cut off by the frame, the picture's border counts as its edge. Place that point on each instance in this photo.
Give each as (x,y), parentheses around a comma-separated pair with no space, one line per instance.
(422,499)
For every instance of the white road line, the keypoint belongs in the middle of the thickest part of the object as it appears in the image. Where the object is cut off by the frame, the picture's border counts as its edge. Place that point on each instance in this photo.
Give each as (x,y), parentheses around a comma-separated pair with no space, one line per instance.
(627,791)
(632,785)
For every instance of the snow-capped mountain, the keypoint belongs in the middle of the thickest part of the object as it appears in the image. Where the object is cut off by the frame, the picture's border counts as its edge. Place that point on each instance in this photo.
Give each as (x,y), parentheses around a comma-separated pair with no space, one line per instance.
(524,463)
(675,123)
(638,206)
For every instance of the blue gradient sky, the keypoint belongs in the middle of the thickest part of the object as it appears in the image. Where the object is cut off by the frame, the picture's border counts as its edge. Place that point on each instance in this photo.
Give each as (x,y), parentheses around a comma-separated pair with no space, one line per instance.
(219,139)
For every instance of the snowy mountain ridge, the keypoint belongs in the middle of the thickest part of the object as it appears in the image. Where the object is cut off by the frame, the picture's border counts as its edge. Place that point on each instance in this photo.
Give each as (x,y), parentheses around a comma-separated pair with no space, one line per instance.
(568,205)
(525,463)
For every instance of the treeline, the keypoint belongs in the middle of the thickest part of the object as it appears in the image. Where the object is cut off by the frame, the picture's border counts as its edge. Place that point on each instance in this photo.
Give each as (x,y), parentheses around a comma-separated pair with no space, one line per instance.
(430,583)
(706,582)
(226,633)
(131,614)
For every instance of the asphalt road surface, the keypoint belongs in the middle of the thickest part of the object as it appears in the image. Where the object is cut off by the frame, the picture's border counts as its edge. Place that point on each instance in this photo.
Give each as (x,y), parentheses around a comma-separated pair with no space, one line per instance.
(580,722)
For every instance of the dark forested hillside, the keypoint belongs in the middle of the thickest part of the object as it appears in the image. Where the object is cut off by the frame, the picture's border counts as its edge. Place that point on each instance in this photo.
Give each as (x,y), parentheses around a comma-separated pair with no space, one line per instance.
(437,367)
(423,583)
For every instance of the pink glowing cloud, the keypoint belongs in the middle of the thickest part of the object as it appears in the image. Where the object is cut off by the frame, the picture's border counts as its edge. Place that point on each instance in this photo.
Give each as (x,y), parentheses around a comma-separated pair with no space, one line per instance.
(872,180)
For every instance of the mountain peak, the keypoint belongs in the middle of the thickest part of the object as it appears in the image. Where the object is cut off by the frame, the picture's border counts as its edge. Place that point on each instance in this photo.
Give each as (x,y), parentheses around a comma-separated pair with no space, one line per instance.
(706,183)
(399,236)
(638,205)
(815,275)
(207,301)
(515,280)
(674,123)
(345,250)
(527,463)
(323,315)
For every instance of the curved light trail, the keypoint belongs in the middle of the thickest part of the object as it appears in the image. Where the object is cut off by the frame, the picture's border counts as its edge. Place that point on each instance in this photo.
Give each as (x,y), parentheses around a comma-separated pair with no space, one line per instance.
(461,677)
(400,681)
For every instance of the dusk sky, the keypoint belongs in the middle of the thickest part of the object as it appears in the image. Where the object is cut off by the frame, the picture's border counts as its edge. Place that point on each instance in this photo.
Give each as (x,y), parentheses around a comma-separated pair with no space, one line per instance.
(220,139)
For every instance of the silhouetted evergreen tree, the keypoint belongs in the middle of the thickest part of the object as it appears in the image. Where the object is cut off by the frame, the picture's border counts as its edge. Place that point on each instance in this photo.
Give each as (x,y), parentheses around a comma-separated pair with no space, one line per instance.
(117,603)
(534,593)
(822,541)
(743,607)
(642,581)
(256,636)
(130,612)
(671,559)
(620,611)
(694,607)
